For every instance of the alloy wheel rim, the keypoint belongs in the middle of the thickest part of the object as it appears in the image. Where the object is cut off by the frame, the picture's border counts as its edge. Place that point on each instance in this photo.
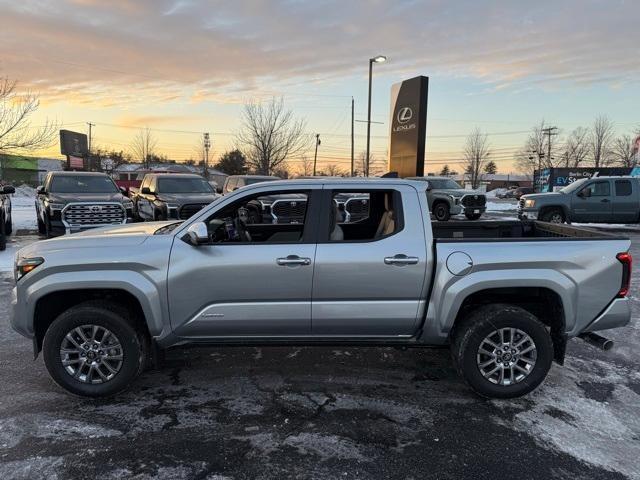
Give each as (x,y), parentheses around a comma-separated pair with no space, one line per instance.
(91,354)
(506,356)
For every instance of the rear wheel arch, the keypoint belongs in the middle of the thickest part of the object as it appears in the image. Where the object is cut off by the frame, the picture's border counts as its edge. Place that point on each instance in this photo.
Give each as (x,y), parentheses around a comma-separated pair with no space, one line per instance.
(542,302)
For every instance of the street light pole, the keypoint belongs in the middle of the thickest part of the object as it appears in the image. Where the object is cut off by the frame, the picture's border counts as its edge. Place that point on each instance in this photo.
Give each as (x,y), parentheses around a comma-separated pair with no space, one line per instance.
(378,59)
(315,155)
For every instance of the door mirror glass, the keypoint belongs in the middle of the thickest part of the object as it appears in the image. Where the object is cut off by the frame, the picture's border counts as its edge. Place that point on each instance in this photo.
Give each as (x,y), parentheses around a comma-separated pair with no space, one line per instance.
(197,234)
(40,190)
(7,189)
(146,191)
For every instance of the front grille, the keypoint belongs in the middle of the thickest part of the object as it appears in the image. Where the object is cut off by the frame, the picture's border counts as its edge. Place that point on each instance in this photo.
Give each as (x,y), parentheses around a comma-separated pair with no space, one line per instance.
(190,210)
(288,211)
(93,214)
(474,200)
(357,209)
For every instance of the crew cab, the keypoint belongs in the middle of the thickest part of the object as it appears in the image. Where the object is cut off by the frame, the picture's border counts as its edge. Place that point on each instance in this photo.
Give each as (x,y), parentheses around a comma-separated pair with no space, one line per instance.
(589,200)
(505,296)
(164,196)
(70,202)
(6,225)
(446,197)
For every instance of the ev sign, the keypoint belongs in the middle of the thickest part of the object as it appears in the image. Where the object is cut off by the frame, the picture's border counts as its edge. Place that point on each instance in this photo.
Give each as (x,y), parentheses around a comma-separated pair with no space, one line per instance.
(408,127)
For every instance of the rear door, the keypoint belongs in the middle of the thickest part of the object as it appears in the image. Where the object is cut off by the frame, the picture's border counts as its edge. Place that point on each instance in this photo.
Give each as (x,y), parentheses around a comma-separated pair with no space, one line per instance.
(369,276)
(594,202)
(625,201)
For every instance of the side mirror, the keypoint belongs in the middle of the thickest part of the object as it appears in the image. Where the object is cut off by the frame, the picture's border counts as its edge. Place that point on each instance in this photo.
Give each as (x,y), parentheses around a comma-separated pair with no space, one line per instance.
(7,189)
(197,234)
(145,191)
(219,190)
(429,187)
(40,190)
(124,191)
(586,193)
(235,188)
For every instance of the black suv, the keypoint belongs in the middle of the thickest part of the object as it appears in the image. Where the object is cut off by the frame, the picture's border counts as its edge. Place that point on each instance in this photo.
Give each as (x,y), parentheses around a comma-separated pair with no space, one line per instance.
(69,202)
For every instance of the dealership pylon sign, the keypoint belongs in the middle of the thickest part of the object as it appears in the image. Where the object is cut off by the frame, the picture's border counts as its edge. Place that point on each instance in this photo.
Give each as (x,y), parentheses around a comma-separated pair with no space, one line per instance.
(407,136)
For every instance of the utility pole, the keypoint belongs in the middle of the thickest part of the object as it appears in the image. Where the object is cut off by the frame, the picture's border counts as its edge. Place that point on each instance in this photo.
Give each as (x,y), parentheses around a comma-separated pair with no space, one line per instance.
(352,135)
(90,125)
(207,145)
(315,156)
(549,132)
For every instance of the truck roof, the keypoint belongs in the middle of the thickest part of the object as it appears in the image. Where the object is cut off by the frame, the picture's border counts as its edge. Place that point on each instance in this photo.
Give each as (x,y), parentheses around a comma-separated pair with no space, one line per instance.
(71,173)
(355,182)
(175,175)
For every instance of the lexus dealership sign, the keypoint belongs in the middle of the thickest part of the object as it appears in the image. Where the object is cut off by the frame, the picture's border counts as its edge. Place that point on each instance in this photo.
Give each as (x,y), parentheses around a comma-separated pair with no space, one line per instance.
(408,126)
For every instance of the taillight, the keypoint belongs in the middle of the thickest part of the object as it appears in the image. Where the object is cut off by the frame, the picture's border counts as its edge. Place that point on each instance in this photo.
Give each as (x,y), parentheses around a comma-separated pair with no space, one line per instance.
(626,260)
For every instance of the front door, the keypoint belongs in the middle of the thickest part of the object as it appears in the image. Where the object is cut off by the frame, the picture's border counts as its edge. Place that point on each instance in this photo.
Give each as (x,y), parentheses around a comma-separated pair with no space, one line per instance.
(369,278)
(252,279)
(593,203)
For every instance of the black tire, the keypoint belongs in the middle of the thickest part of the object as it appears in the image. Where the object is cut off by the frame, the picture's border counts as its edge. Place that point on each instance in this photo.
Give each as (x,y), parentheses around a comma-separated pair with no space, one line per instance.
(470,334)
(102,314)
(441,211)
(554,215)
(473,216)
(3,236)
(41,227)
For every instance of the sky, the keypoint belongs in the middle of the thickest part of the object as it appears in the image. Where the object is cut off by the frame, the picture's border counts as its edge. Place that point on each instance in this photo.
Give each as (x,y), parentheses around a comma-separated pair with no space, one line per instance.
(182,67)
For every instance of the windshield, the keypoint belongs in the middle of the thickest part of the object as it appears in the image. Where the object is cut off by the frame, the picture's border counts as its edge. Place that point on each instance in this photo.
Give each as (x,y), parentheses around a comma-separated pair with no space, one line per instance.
(184,185)
(82,184)
(444,184)
(251,181)
(572,187)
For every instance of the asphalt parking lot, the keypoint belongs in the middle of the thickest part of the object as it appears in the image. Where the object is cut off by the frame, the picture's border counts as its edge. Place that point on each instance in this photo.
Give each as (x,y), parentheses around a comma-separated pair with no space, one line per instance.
(214,413)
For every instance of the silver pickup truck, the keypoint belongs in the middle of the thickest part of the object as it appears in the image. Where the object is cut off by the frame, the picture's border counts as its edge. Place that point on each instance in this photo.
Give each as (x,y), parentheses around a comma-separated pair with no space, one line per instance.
(504,296)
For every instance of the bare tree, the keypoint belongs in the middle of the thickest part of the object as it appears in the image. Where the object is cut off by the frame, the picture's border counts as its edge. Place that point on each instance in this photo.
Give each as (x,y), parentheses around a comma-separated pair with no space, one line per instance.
(269,134)
(622,151)
(476,151)
(333,170)
(576,148)
(306,166)
(16,132)
(600,140)
(143,147)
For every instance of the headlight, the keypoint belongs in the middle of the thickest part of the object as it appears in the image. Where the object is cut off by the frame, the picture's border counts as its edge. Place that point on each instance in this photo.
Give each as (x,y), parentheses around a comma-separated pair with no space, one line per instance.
(529,203)
(172,206)
(53,206)
(25,265)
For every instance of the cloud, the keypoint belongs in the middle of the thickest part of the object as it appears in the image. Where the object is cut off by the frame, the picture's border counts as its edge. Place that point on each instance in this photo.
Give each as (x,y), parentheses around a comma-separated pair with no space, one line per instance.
(91,51)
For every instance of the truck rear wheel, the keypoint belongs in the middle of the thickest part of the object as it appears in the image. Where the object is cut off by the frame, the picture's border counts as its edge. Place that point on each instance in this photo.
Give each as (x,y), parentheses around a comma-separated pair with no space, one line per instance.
(441,211)
(93,350)
(502,351)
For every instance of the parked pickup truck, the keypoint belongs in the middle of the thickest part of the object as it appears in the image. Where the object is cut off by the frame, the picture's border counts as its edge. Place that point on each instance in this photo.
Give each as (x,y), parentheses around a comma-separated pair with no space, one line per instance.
(165,196)
(6,225)
(69,202)
(447,197)
(505,296)
(589,200)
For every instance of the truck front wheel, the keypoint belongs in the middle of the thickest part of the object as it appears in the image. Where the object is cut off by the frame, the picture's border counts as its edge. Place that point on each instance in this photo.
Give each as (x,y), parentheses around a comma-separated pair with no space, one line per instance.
(93,350)
(441,211)
(502,351)
(554,215)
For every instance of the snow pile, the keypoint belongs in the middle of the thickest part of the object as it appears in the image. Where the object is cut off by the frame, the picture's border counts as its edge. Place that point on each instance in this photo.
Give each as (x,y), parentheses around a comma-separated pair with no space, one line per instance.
(494,193)
(24,191)
(23,213)
(501,207)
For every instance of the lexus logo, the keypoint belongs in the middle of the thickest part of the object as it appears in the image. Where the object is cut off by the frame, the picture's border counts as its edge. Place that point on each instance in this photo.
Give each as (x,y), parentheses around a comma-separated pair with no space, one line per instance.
(405,114)
(95,208)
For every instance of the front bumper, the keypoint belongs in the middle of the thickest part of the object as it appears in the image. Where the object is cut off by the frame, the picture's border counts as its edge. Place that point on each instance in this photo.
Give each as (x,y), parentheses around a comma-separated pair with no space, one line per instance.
(528,214)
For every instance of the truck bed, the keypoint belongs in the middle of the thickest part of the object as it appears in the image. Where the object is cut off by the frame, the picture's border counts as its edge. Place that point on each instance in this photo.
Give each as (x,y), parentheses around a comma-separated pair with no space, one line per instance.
(513,230)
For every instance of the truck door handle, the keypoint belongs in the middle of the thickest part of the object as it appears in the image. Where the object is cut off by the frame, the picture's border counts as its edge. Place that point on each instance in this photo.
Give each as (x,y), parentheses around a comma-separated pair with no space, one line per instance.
(605,200)
(401,259)
(293,260)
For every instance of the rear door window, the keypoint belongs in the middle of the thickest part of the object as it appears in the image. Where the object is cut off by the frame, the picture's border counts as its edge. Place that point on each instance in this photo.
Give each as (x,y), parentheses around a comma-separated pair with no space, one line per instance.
(623,188)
